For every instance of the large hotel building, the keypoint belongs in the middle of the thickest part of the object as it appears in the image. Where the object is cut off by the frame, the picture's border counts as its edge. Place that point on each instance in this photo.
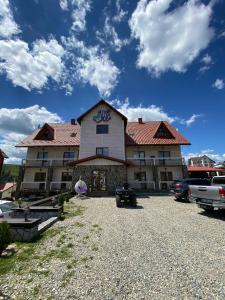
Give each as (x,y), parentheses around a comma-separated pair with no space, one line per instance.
(106,150)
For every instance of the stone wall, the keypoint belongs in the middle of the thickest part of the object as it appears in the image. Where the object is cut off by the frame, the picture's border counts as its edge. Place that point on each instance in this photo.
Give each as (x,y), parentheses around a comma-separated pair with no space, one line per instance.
(115,175)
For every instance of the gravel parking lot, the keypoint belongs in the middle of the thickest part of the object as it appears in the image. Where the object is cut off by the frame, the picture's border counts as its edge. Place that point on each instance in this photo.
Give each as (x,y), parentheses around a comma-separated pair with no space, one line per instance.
(161,250)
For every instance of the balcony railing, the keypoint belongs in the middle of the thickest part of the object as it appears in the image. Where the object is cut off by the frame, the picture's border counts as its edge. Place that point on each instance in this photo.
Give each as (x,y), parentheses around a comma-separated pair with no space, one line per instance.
(60,185)
(142,185)
(46,162)
(157,161)
(33,185)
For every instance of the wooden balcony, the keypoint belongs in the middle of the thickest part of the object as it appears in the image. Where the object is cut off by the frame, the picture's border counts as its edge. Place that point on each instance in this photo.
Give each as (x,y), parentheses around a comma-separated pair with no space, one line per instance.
(157,161)
(42,163)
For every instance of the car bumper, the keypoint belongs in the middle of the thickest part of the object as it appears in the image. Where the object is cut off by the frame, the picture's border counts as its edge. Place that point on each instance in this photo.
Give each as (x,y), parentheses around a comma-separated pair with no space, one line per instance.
(210,203)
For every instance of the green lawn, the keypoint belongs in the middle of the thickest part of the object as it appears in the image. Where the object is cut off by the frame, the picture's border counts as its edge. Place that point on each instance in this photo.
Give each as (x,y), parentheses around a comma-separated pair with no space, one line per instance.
(9,172)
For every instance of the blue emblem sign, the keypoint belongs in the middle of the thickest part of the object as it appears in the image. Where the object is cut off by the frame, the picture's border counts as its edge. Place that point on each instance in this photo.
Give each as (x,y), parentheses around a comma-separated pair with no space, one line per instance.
(103,115)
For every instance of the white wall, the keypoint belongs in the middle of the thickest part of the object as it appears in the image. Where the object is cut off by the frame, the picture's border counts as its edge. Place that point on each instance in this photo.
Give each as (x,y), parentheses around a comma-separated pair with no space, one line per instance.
(152,150)
(114,140)
(53,152)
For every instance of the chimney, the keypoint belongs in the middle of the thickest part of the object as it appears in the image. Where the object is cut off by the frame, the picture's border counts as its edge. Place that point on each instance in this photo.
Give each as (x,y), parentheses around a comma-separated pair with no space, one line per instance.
(140,120)
(73,121)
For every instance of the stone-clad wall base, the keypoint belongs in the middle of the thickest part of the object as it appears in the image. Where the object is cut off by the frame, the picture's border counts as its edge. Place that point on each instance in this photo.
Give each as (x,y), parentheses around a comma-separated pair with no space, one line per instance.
(115,175)
(21,234)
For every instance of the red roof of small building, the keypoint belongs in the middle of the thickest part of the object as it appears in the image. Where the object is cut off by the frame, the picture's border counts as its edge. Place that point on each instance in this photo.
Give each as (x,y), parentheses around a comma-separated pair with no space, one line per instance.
(136,134)
(2,153)
(5,186)
(204,169)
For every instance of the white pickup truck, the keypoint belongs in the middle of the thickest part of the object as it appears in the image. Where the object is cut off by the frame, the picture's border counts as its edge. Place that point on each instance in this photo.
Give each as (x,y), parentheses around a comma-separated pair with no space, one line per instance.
(209,197)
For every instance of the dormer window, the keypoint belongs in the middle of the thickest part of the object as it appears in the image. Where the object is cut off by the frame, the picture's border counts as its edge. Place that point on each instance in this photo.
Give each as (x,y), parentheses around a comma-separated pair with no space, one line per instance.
(45,133)
(163,132)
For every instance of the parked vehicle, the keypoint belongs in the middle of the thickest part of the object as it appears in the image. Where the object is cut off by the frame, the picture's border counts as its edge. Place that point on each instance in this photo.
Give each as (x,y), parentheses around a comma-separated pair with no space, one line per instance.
(210,197)
(173,185)
(125,195)
(6,208)
(182,187)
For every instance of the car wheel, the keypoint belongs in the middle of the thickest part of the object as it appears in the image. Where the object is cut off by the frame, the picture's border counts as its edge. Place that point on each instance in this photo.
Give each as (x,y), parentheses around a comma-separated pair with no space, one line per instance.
(118,201)
(133,201)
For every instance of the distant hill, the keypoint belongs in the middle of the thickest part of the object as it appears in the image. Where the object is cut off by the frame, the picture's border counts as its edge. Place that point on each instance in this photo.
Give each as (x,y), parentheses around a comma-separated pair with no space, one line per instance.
(9,173)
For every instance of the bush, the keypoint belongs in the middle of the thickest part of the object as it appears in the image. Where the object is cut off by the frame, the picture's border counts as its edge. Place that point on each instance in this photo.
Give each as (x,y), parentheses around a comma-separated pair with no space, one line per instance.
(5,236)
(62,199)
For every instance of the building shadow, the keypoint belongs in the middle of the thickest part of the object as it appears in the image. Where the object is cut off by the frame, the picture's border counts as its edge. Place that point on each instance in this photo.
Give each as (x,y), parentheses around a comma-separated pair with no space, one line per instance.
(214,214)
(126,206)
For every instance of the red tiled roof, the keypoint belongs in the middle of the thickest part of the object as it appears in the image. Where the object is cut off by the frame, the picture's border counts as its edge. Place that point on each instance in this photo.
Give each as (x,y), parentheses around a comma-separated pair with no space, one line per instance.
(3,154)
(76,162)
(136,134)
(64,135)
(204,169)
(5,186)
(143,134)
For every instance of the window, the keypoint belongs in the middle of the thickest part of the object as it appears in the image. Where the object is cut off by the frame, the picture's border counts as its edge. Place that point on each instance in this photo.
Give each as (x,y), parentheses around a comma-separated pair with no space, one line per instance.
(66,176)
(166,176)
(140,176)
(164,154)
(39,177)
(102,151)
(68,155)
(42,155)
(141,156)
(102,129)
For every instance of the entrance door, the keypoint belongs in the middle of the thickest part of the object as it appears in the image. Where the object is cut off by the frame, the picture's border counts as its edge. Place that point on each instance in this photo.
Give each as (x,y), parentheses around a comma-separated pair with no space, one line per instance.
(99,180)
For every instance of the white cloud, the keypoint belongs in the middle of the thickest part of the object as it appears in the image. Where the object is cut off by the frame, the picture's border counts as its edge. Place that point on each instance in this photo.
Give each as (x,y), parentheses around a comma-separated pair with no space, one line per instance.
(207,59)
(120,13)
(148,113)
(170,40)
(110,36)
(217,157)
(17,123)
(31,68)
(219,84)
(90,65)
(63,4)
(8,27)
(79,10)
(191,120)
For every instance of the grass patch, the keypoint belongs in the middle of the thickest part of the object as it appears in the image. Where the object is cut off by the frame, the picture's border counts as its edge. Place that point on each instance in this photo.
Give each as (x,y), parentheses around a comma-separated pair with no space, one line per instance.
(72,210)
(94,248)
(78,224)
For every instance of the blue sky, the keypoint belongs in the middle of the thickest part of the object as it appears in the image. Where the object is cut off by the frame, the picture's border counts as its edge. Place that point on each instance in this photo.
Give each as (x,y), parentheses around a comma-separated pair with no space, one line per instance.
(159,59)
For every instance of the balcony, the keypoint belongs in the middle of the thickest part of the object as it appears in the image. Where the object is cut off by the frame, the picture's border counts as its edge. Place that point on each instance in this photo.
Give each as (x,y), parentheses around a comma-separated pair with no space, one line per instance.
(157,161)
(41,163)
(61,186)
(41,185)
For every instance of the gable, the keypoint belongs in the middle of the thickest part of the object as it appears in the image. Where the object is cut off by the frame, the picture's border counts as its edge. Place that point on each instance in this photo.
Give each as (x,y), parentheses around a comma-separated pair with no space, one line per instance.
(46,133)
(163,132)
(103,112)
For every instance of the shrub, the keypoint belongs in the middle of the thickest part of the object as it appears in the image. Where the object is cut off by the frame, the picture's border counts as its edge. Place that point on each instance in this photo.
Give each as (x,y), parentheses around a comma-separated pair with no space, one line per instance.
(5,236)
(61,200)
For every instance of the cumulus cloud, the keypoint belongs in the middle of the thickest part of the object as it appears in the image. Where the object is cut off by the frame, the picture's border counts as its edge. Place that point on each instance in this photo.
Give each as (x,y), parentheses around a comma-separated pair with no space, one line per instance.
(8,26)
(148,113)
(31,68)
(90,65)
(17,123)
(219,84)
(217,157)
(169,38)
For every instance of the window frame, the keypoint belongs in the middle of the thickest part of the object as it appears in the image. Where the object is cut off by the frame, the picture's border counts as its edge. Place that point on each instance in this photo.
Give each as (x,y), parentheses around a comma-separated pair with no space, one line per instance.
(102,151)
(100,129)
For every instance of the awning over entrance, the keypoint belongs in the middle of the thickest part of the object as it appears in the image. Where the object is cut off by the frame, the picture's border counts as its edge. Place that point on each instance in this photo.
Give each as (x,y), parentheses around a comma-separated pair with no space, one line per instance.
(99,160)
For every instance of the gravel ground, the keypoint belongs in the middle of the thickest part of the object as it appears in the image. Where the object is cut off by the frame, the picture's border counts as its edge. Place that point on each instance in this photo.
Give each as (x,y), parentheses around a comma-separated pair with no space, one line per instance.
(161,250)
